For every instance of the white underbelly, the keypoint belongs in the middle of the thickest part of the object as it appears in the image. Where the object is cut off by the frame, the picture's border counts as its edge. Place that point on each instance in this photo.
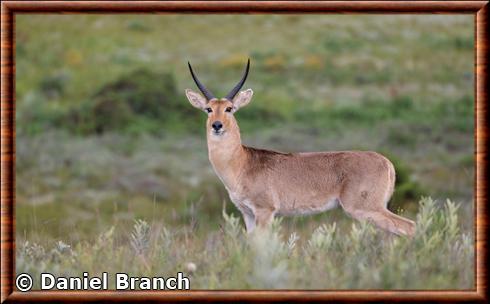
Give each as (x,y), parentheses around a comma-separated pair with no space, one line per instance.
(306,209)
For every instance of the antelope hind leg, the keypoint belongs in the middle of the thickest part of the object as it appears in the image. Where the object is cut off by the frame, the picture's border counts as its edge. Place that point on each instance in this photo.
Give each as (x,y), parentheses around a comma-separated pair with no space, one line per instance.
(386,220)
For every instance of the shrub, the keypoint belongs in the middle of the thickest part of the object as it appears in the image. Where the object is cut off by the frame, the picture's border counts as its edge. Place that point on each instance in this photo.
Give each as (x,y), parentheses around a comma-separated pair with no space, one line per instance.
(53,86)
(333,257)
(110,114)
(139,101)
(407,190)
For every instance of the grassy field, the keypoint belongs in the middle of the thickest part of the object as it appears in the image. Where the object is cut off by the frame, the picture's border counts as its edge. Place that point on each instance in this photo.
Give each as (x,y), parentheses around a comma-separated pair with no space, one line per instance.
(331,258)
(109,150)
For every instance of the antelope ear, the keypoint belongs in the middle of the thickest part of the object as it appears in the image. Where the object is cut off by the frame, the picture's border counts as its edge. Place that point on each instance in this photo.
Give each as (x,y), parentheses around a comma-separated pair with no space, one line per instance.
(196,99)
(242,99)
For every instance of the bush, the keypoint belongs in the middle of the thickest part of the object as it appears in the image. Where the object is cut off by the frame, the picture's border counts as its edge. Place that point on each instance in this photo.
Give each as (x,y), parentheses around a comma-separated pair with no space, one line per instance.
(146,101)
(54,85)
(439,256)
(142,100)
(407,190)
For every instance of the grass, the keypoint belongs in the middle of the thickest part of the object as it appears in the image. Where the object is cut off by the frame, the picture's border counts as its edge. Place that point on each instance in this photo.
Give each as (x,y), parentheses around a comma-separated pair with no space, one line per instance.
(336,60)
(440,256)
(111,162)
(355,52)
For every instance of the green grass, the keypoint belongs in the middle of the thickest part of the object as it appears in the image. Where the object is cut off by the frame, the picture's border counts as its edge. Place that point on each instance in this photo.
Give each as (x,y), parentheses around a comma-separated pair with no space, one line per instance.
(440,256)
(335,59)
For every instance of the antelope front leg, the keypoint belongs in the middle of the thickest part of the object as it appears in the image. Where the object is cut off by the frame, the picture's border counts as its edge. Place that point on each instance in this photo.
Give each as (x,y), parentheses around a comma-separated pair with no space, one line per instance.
(249,219)
(264,217)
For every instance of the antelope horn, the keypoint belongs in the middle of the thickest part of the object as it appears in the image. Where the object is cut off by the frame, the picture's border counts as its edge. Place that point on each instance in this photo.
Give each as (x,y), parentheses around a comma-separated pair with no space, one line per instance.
(239,85)
(201,87)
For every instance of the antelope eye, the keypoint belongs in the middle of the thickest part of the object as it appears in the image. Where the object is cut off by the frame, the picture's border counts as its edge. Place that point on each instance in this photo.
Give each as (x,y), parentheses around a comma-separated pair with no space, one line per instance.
(209,110)
(228,109)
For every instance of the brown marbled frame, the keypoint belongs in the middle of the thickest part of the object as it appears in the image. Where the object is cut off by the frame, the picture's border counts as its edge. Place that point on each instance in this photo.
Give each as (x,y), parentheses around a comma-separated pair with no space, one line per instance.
(480,10)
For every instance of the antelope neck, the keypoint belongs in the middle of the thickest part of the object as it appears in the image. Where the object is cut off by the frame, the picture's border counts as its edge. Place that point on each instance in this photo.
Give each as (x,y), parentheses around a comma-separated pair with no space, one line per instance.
(227,156)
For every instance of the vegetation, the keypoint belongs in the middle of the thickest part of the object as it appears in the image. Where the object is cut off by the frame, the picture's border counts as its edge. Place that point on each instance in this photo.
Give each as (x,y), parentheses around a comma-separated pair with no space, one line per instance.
(105,137)
(330,258)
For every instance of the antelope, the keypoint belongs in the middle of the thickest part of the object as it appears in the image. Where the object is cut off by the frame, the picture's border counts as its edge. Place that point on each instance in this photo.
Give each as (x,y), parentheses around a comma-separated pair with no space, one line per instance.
(264,183)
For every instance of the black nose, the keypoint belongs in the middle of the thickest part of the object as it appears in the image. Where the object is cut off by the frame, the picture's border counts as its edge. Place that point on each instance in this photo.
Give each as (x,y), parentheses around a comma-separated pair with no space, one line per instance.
(217,125)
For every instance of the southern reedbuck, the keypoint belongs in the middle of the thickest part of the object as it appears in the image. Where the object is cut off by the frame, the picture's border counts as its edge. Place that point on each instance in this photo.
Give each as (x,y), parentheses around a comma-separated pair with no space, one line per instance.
(263,183)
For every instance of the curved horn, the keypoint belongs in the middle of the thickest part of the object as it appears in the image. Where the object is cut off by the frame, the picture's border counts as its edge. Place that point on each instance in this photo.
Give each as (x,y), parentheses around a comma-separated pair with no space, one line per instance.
(201,87)
(239,85)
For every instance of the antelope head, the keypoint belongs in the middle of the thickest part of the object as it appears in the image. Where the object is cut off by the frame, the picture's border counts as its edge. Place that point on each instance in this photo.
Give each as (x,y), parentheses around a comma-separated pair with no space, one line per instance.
(220,110)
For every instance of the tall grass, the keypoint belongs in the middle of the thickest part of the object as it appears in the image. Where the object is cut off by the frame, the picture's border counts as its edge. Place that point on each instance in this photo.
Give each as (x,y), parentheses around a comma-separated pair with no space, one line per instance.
(440,256)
